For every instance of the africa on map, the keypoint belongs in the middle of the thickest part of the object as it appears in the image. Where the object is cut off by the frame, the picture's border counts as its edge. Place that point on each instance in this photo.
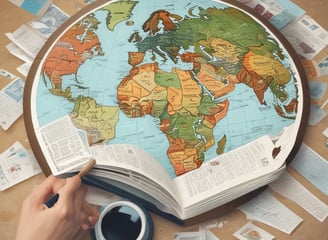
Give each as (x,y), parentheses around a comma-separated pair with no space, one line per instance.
(183,80)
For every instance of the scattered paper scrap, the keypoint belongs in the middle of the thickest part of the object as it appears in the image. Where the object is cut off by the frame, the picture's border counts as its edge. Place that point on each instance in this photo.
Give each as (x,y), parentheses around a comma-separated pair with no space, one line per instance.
(190,235)
(287,186)
(323,66)
(7,74)
(278,12)
(19,53)
(317,90)
(205,234)
(317,114)
(306,36)
(210,236)
(252,232)
(310,67)
(208,225)
(11,103)
(16,165)
(24,68)
(312,166)
(267,209)
(315,69)
(27,40)
(49,21)
(325,133)
(35,7)
(82,3)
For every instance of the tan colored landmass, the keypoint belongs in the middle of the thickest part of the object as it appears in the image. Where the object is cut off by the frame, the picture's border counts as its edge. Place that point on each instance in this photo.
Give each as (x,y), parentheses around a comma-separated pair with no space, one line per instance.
(207,76)
(97,120)
(190,92)
(182,158)
(138,85)
(266,66)
(222,49)
(138,92)
(174,98)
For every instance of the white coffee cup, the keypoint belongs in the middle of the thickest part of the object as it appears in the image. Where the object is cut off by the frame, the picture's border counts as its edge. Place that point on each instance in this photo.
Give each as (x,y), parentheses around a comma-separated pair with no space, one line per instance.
(123,220)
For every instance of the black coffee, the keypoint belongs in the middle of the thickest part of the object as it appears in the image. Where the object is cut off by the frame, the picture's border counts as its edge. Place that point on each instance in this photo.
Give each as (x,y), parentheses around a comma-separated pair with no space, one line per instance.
(121,223)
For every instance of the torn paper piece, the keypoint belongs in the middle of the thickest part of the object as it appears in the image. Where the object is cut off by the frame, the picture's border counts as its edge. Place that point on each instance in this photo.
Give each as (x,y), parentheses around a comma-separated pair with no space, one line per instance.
(312,166)
(52,19)
(19,53)
(306,36)
(317,91)
(267,209)
(323,66)
(7,74)
(16,165)
(35,7)
(11,103)
(317,114)
(287,186)
(27,40)
(201,235)
(252,232)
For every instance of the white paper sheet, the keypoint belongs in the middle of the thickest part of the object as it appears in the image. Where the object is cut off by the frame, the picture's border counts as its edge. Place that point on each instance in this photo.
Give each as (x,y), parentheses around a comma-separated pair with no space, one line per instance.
(290,188)
(313,167)
(267,209)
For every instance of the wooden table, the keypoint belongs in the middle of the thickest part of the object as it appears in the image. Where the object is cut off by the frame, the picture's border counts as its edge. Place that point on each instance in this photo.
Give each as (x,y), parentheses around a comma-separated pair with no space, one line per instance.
(11,17)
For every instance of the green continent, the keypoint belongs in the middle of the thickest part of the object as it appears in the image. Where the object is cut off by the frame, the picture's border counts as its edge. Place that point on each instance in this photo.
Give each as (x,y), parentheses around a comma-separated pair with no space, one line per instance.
(166,79)
(118,12)
(229,24)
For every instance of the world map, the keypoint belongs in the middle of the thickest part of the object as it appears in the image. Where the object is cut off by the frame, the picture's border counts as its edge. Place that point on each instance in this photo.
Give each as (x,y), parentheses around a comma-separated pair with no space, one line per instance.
(184,80)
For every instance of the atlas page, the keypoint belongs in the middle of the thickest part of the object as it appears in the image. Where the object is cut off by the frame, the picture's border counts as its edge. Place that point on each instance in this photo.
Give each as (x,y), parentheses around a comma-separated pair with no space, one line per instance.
(68,150)
(136,168)
(66,147)
(226,171)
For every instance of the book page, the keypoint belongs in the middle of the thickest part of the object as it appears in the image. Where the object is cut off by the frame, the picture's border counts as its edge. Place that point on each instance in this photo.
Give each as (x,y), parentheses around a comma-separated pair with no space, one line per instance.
(129,157)
(65,148)
(228,170)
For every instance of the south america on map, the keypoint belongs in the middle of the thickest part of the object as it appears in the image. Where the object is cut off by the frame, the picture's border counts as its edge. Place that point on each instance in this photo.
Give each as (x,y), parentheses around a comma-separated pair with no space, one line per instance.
(184,80)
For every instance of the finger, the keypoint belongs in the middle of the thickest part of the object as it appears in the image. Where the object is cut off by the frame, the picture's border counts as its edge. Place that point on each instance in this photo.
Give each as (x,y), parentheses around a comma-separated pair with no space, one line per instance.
(92,212)
(79,198)
(68,191)
(58,184)
(81,235)
(44,190)
(84,223)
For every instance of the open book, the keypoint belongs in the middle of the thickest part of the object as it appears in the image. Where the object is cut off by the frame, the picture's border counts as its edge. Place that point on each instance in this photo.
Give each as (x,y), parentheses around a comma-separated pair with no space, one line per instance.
(128,170)
(212,100)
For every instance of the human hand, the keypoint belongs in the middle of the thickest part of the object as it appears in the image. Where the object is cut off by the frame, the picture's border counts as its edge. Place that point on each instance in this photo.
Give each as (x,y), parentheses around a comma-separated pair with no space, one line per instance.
(68,219)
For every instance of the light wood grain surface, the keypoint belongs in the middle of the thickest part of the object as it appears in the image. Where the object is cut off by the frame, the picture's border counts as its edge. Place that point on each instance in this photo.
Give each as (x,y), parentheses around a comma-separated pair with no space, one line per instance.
(11,17)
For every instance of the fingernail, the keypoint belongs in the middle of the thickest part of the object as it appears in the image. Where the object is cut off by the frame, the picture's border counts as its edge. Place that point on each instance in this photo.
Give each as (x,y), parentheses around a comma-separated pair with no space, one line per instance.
(92,219)
(85,226)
